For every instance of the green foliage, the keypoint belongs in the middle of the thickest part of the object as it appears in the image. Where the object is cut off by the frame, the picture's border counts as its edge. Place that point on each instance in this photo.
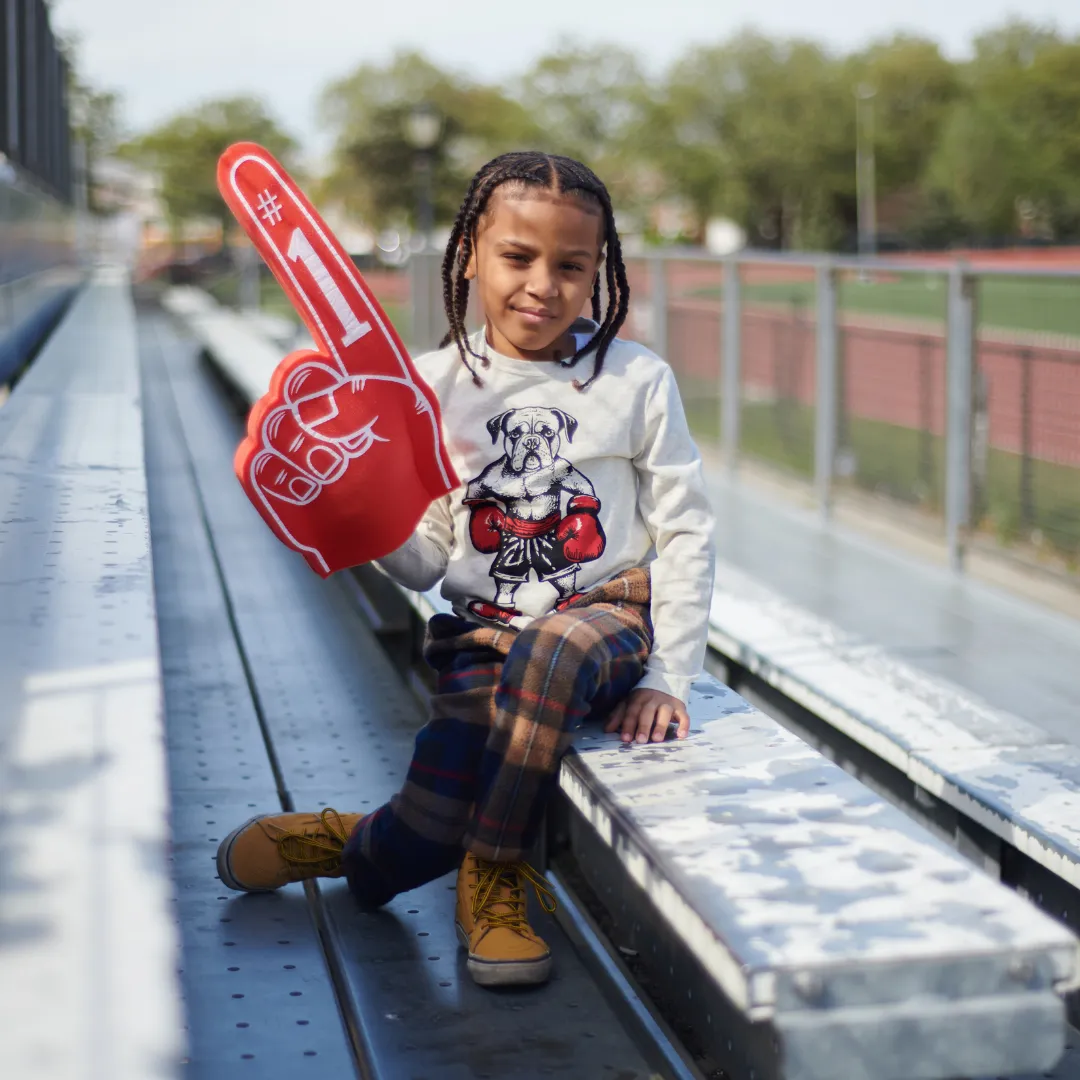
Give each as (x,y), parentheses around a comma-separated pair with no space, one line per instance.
(595,104)
(184,151)
(752,129)
(915,88)
(763,130)
(373,172)
(757,129)
(1008,159)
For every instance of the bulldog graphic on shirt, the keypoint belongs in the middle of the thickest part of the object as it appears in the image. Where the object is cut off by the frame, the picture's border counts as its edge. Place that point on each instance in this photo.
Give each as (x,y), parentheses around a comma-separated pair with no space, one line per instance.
(516,511)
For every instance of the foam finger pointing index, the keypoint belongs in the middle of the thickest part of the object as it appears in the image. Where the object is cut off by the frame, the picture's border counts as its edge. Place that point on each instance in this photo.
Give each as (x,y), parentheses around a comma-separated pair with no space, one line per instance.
(298,247)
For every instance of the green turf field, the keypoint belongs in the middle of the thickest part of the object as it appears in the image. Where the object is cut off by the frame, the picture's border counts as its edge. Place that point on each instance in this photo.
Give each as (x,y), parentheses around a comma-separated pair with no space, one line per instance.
(1049,304)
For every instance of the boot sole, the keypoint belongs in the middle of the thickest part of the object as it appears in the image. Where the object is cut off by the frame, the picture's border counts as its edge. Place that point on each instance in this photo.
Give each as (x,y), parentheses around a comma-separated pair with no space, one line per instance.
(504,972)
(224,851)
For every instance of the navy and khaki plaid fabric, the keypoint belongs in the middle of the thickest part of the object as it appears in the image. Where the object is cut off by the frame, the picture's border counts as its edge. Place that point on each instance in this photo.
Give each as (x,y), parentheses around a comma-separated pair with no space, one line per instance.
(505,706)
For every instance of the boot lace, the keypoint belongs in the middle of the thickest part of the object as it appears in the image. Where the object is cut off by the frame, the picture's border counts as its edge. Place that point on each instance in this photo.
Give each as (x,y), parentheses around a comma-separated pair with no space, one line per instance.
(501,885)
(320,843)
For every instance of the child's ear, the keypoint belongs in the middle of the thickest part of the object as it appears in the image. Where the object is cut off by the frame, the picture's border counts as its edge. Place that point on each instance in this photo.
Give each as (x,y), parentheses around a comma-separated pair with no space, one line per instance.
(470,266)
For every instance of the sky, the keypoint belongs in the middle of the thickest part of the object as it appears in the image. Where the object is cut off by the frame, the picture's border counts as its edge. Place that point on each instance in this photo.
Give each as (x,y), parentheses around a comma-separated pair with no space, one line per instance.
(163,57)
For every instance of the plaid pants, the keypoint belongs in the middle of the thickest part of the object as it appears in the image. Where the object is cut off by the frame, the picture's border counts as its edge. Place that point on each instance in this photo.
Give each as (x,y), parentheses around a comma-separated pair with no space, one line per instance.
(505,705)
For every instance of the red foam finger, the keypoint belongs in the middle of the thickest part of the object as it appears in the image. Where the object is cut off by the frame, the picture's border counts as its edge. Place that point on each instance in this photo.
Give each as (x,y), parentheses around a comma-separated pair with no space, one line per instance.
(281,480)
(283,435)
(342,426)
(320,279)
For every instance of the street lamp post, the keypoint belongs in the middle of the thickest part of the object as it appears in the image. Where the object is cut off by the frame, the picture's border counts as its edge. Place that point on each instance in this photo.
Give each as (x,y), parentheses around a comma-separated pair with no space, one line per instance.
(865,180)
(422,128)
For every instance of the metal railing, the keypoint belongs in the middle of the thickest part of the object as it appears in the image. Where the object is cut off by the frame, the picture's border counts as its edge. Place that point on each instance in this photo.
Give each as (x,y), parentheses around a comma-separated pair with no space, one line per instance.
(951,391)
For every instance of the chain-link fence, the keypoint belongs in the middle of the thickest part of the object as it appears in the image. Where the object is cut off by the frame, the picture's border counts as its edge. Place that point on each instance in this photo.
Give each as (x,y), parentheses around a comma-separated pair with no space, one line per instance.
(778,353)
(1026,428)
(891,378)
(953,392)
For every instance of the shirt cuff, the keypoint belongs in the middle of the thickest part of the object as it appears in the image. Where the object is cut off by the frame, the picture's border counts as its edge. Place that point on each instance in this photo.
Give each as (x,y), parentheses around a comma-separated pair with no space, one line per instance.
(678,686)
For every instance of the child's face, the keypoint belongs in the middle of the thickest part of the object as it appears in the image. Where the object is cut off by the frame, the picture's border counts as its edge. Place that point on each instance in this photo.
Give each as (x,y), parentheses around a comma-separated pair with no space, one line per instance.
(536,257)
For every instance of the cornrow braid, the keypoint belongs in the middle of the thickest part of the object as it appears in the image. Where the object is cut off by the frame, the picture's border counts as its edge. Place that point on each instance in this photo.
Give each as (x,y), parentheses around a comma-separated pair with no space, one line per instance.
(550,172)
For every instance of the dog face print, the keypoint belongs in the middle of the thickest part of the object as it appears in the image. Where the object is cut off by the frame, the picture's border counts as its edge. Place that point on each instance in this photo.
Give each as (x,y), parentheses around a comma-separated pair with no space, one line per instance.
(532,436)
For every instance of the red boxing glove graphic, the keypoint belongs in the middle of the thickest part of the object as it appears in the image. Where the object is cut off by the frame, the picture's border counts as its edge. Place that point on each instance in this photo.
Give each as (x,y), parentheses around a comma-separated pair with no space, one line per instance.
(580,532)
(343,427)
(485,527)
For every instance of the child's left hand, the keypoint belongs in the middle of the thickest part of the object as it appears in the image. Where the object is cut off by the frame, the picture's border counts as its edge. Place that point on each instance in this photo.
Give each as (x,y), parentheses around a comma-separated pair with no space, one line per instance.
(646,714)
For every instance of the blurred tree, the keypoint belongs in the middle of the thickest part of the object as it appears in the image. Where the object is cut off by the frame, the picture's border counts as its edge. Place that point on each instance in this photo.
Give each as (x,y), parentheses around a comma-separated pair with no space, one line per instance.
(760,131)
(979,168)
(372,172)
(1008,160)
(914,89)
(595,104)
(1013,45)
(1053,91)
(184,152)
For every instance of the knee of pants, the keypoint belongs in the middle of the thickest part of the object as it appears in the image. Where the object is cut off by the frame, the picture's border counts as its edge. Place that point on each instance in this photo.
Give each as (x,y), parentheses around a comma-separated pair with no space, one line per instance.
(548,638)
(555,641)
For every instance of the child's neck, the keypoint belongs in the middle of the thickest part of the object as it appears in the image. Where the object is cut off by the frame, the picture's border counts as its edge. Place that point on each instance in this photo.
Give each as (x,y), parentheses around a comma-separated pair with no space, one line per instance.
(559,349)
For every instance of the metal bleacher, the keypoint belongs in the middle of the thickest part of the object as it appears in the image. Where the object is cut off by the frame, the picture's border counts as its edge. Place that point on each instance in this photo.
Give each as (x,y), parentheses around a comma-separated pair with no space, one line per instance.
(785,918)
(87,940)
(1011,778)
(735,904)
(278,696)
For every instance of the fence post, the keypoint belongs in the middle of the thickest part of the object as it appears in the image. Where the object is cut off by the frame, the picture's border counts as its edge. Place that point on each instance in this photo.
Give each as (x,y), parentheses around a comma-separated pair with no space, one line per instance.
(958,431)
(927,479)
(731,370)
(423,300)
(826,406)
(249,267)
(658,297)
(417,305)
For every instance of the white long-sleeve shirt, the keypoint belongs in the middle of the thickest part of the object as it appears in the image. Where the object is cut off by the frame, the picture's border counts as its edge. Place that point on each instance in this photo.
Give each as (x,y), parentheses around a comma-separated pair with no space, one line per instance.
(527,443)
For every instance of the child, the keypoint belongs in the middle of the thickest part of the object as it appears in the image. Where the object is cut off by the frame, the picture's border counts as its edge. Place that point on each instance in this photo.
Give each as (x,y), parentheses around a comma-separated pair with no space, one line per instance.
(578,558)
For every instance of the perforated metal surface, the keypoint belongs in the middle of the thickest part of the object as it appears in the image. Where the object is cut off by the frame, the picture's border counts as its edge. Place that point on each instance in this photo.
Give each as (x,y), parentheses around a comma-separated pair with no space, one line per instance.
(342,726)
(256,990)
(85,930)
(408,974)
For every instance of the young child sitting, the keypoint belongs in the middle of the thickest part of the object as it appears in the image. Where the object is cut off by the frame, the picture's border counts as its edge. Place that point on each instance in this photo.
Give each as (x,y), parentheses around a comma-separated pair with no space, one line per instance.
(578,558)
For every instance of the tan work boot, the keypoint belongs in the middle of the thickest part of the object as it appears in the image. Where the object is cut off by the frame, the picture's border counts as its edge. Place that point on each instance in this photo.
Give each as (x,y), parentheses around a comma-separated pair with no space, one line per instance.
(272,850)
(493,924)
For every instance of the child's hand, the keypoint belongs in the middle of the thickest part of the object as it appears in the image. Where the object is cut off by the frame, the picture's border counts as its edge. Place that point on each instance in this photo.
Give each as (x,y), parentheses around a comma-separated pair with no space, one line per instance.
(647,713)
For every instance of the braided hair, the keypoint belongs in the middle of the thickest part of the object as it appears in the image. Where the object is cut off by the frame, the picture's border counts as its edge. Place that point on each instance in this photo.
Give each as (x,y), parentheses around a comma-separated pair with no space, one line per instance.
(549,172)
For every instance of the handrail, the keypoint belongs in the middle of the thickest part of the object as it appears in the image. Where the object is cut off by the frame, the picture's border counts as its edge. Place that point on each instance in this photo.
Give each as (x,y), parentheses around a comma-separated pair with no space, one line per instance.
(813,261)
